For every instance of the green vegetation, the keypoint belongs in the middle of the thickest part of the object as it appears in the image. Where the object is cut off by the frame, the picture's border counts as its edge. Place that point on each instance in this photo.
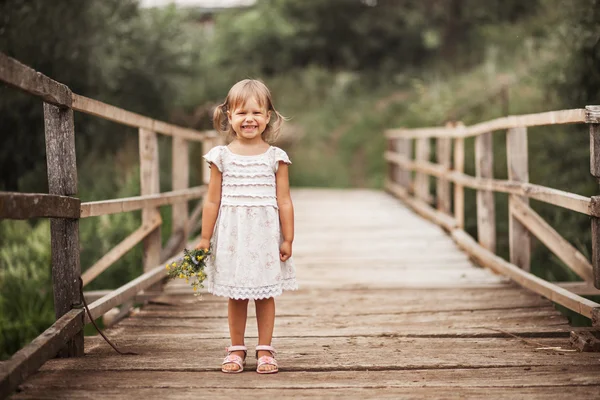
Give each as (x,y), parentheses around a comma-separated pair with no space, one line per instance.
(342,70)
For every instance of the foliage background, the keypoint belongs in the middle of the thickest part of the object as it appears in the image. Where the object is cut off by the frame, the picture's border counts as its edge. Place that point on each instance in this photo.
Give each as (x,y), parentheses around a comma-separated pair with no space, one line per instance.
(343,70)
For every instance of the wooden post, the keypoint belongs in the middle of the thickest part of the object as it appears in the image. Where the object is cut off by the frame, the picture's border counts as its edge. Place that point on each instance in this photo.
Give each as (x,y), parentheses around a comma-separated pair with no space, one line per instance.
(180,179)
(486,210)
(404,148)
(459,190)
(443,154)
(393,169)
(517,163)
(421,179)
(149,184)
(62,180)
(592,117)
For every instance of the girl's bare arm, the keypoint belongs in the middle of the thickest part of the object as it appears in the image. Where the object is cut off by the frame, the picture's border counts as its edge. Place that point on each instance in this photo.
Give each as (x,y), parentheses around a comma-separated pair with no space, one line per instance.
(286,210)
(210,210)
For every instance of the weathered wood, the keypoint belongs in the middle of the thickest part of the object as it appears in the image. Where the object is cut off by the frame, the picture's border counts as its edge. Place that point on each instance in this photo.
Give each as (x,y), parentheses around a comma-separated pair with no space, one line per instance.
(112,113)
(552,239)
(180,181)
(30,358)
(35,205)
(486,209)
(149,185)
(595,170)
(549,290)
(506,377)
(29,80)
(392,169)
(443,154)
(459,191)
(571,201)
(422,153)
(118,251)
(518,170)
(592,114)
(585,341)
(62,180)
(512,121)
(404,149)
(104,207)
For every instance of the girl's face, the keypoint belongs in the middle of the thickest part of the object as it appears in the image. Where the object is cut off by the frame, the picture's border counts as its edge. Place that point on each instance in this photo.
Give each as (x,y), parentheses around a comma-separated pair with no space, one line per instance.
(249,120)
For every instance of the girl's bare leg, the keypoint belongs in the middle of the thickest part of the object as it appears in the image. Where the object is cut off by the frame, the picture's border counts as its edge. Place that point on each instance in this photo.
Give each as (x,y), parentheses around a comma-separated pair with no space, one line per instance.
(237,311)
(265,318)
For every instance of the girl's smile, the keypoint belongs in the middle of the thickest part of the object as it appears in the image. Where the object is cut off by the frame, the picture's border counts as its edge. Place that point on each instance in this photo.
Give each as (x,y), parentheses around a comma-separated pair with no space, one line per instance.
(249,120)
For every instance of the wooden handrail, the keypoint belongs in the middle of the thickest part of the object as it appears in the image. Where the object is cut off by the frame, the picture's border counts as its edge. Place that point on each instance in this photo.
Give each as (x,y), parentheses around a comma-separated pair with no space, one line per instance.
(578,115)
(523,220)
(66,209)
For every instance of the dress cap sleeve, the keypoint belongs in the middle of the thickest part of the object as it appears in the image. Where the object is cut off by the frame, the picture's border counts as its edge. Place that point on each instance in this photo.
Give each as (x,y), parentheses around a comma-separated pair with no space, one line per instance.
(215,156)
(280,155)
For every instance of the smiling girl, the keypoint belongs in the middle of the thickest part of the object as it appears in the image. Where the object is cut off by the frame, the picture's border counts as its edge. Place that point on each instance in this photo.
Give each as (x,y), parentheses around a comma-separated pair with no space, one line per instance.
(248,219)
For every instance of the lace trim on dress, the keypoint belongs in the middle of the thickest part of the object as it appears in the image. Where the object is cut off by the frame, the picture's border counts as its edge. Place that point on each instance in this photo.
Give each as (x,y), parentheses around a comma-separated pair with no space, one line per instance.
(242,204)
(255,293)
(253,196)
(245,163)
(247,183)
(236,174)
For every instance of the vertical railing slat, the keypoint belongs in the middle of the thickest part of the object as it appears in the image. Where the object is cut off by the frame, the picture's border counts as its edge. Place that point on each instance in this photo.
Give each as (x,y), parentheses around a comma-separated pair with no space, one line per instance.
(180,180)
(593,119)
(459,190)
(149,184)
(62,180)
(486,210)
(518,170)
(423,149)
(443,155)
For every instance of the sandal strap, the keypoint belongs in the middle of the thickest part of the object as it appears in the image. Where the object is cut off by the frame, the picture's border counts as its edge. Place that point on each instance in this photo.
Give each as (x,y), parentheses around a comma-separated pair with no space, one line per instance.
(233,359)
(236,348)
(266,348)
(266,360)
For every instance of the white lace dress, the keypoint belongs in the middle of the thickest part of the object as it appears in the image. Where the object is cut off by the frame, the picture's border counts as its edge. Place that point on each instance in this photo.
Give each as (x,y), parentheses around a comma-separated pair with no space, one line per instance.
(245,263)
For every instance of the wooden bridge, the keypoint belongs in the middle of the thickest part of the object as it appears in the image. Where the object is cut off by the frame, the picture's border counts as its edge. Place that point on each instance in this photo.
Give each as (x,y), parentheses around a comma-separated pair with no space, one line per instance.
(396,300)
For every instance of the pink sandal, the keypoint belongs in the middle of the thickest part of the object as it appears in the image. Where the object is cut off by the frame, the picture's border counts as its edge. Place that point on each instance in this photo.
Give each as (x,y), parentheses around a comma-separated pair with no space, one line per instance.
(234,359)
(266,360)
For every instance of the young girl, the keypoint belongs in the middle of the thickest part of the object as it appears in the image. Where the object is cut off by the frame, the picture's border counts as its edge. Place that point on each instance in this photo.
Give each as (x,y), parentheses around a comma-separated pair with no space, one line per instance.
(248,219)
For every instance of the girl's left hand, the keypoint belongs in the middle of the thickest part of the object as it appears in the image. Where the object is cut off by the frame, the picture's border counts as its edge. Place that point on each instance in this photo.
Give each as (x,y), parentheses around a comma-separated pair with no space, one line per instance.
(285,251)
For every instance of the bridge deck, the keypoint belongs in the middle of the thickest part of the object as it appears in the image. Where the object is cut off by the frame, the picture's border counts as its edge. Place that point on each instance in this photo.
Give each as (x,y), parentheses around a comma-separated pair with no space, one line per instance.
(387,303)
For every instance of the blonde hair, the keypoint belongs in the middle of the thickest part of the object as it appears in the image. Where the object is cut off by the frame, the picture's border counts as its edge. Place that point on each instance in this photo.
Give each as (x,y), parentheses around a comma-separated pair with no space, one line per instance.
(238,94)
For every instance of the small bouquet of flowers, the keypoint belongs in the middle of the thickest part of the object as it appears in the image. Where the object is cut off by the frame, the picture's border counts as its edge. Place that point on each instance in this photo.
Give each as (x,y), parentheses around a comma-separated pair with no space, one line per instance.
(190,267)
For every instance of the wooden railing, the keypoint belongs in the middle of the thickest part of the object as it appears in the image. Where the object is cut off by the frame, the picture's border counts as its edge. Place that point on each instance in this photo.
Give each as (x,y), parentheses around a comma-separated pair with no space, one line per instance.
(65,336)
(523,220)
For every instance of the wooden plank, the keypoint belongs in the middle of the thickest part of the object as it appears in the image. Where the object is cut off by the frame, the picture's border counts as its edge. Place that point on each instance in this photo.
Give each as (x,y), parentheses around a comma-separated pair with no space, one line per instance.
(30,358)
(443,154)
(518,170)
(180,181)
(118,251)
(507,377)
(392,170)
(595,221)
(549,290)
(421,207)
(115,114)
(570,201)
(405,149)
(180,353)
(566,252)
(339,392)
(22,77)
(486,209)
(35,205)
(104,207)
(512,121)
(62,180)
(592,114)
(421,179)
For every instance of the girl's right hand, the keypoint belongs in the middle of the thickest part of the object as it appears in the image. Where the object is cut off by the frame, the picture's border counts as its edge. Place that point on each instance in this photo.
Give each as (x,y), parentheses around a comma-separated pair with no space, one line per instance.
(203,245)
